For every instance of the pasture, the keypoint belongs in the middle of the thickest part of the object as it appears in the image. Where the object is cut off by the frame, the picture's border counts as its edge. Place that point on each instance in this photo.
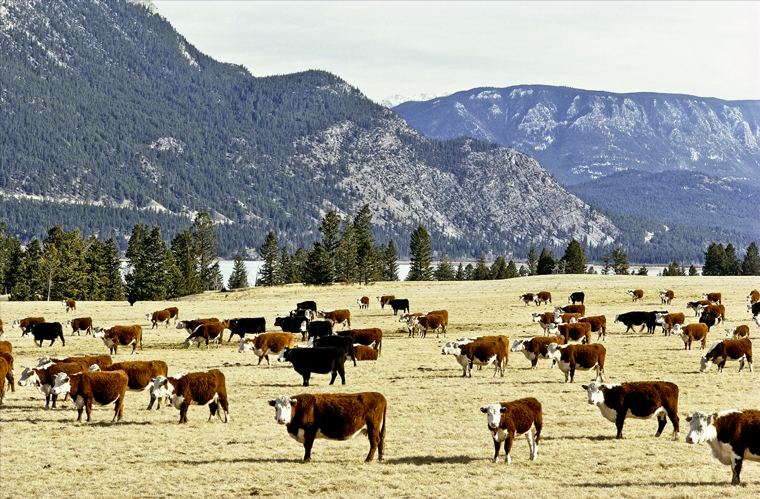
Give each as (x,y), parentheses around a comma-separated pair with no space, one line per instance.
(437,443)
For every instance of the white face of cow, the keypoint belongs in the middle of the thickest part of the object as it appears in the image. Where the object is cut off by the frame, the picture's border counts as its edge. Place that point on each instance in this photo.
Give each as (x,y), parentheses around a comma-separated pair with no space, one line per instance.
(658,317)
(701,428)
(552,329)
(730,331)
(245,345)
(451,348)
(704,364)
(554,351)
(28,377)
(162,387)
(595,394)
(283,408)
(62,384)
(676,329)
(43,363)
(518,346)
(493,414)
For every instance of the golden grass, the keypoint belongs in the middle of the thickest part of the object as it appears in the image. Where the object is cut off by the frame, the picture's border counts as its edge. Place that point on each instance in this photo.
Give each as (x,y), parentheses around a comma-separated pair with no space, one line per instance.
(437,443)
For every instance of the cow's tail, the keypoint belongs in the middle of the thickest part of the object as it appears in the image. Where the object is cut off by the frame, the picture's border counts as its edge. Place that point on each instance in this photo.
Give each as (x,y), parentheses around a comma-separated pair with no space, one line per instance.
(382,436)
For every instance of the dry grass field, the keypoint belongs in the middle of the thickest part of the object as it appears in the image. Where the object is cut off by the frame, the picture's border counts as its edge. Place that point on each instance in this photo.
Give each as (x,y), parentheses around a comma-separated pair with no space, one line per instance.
(437,442)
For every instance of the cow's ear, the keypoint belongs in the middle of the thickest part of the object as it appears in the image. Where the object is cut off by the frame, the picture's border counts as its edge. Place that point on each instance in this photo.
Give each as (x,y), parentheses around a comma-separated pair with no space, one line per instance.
(503,410)
(711,419)
(272,402)
(585,387)
(688,418)
(483,409)
(293,402)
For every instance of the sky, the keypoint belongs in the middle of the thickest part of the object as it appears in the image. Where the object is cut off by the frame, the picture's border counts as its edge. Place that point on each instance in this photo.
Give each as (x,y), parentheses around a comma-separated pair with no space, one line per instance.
(707,49)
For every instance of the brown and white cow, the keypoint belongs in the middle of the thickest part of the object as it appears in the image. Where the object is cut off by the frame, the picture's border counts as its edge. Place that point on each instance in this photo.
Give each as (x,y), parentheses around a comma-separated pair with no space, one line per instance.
(576,331)
(544,297)
(598,325)
(340,316)
(80,324)
(210,331)
(738,332)
(445,315)
(666,296)
(6,372)
(565,317)
(431,321)
(636,294)
(640,400)
(44,378)
(198,388)
(26,322)
(536,348)
(528,298)
(579,357)
(192,325)
(173,313)
(544,319)
(691,333)
(159,316)
(264,344)
(507,419)
(69,304)
(669,320)
(365,352)
(102,388)
(719,311)
(725,350)
(753,297)
(120,335)
(335,416)
(713,297)
(367,336)
(571,309)
(363,302)
(694,305)
(482,351)
(6,347)
(86,361)
(140,374)
(385,299)
(411,322)
(731,435)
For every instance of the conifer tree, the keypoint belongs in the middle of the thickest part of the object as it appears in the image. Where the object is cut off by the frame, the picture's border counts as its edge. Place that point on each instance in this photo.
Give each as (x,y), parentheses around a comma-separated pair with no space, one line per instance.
(114,284)
(319,268)
(732,265)
(751,263)
(330,230)
(239,276)
(187,279)
(389,263)
(345,254)
(270,253)
(532,261)
(546,261)
(481,269)
(619,261)
(511,271)
(366,257)
(460,273)
(469,272)
(206,251)
(715,260)
(693,270)
(499,269)
(421,256)
(444,271)
(574,258)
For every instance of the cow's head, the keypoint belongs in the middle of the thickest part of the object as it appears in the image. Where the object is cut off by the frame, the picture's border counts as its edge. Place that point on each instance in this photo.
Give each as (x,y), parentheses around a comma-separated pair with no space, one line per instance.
(285,355)
(518,346)
(68,323)
(731,331)
(181,325)
(493,414)
(630,292)
(595,393)
(452,348)
(677,329)
(62,383)
(246,345)
(658,317)
(283,408)
(553,328)
(29,377)
(44,362)
(701,427)
(17,322)
(554,351)
(162,387)
(149,316)
(63,302)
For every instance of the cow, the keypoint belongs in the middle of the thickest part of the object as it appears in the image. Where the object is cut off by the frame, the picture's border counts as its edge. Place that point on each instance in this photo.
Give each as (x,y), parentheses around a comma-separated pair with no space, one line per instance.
(367,337)
(571,309)
(6,347)
(199,388)
(636,294)
(192,325)
(363,302)
(707,319)
(713,297)
(631,319)
(159,316)
(318,329)
(544,297)
(536,348)
(364,352)
(44,378)
(24,324)
(247,326)
(85,361)
(46,331)
(544,320)
(753,297)
(385,299)
(445,315)
(725,350)
(731,435)
(304,313)
(80,324)
(650,320)
(719,311)
(101,387)
(667,321)
(640,400)
(598,325)
(140,374)
(211,331)
(264,344)
(565,317)
(398,304)
(528,298)
(582,357)
(292,325)
(481,352)
(345,343)
(577,331)
(411,321)
(321,360)
(340,316)
(431,321)
(738,332)
(691,333)
(666,296)
(694,305)
(173,313)
(307,305)
(754,309)
(69,304)
(120,335)
(578,296)
(6,372)
(335,416)
(507,419)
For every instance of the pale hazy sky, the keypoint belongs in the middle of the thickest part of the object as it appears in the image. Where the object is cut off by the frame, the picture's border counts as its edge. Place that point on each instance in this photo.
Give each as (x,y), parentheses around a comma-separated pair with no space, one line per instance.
(707,49)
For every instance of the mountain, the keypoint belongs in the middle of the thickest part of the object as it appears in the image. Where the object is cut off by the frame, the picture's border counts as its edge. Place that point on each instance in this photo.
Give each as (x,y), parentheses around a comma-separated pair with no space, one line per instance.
(109,117)
(581,135)
(394,100)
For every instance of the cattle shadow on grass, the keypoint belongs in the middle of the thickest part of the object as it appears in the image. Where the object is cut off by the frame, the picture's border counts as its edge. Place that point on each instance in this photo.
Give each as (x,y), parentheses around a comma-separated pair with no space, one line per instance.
(607,485)
(596,438)
(426,460)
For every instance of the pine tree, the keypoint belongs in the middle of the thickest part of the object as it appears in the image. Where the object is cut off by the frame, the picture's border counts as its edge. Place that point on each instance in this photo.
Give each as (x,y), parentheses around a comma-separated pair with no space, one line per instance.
(732,265)
(498,269)
(206,250)
(187,280)
(270,253)
(460,273)
(239,276)
(114,285)
(389,263)
(715,260)
(574,258)
(545,263)
(511,271)
(319,269)
(532,261)
(445,270)
(421,256)
(345,255)
(643,270)
(607,261)
(524,271)
(619,261)
(469,272)
(330,230)
(481,269)
(9,244)
(366,257)
(693,270)
(751,263)
(284,267)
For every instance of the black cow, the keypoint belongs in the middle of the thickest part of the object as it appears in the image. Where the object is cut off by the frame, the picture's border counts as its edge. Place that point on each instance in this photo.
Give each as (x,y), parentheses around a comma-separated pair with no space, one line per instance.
(578,296)
(651,320)
(292,325)
(47,331)
(708,319)
(345,343)
(247,325)
(630,319)
(318,329)
(754,309)
(399,304)
(308,305)
(321,360)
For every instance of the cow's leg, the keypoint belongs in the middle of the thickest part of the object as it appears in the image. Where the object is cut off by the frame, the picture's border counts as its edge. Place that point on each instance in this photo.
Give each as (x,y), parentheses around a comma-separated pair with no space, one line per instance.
(213,407)
(224,406)
(261,357)
(534,362)
(47,400)
(675,421)
(79,412)
(619,420)
(661,422)
(119,409)
(87,408)
(496,446)
(183,411)
(508,445)
(308,442)
(306,377)
(531,444)
(571,372)
(374,439)
(152,400)
(736,468)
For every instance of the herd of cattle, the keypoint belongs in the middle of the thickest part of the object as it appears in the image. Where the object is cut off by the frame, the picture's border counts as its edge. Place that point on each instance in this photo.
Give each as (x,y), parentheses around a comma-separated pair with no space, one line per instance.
(733,435)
